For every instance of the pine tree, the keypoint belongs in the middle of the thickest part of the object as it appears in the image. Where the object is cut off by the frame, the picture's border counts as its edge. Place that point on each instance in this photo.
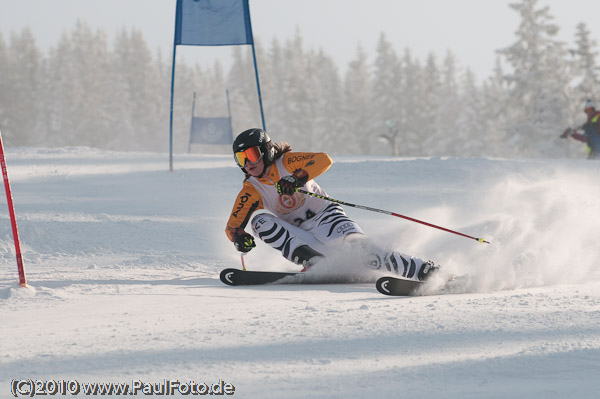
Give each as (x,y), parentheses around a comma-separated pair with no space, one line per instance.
(241,81)
(538,82)
(413,113)
(211,96)
(58,89)
(331,103)
(299,112)
(136,80)
(324,93)
(431,122)
(272,81)
(472,134)
(385,99)
(251,85)
(357,134)
(446,110)
(4,83)
(22,107)
(92,87)
(161,99)
(585,68)
(497,113)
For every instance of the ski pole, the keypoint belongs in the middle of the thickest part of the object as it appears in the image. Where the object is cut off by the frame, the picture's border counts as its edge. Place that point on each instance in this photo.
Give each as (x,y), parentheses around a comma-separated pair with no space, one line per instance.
(481,240)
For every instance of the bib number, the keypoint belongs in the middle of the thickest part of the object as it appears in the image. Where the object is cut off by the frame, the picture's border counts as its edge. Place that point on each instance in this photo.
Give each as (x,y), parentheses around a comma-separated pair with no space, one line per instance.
(309,215)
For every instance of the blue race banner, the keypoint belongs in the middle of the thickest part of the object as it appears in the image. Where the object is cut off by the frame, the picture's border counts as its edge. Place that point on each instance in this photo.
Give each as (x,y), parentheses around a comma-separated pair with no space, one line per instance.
(211,131)
(212,22)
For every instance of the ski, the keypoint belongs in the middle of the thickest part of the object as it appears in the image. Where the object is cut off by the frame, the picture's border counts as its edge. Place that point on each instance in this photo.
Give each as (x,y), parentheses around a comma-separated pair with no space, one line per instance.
(232,276)
(398,286)
(250,277)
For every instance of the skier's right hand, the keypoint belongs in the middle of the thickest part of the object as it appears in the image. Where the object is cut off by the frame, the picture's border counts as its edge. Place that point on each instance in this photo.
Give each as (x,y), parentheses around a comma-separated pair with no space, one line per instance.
(289,184)
(243,241)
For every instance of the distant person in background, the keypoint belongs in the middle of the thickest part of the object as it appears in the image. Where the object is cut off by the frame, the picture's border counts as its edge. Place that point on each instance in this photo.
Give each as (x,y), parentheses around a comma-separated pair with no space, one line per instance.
(591,131)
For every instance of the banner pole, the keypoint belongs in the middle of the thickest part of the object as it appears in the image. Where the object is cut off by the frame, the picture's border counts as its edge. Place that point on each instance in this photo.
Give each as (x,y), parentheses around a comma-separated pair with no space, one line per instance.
(229,113)
(192,124)
(175,41)
(171,112)
(262,114)
(13,219)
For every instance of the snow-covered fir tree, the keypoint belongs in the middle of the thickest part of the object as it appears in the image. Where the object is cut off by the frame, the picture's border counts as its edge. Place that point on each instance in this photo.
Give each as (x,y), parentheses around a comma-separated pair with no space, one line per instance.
(4,84)
(432,123)
(242,91)
(356,136)
(22,104)
(447,106)
(299,110)
(538,82)
(413,115)
(471,134)
(326,97)
(496,113)
(385,100)
(586,74)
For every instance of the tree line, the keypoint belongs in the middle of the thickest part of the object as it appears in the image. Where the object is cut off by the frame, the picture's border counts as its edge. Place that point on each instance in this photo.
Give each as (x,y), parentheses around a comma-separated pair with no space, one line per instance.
(87,92)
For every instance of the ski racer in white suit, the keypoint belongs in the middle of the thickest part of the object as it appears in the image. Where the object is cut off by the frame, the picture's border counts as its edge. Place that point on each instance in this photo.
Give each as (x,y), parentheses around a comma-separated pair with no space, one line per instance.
(303,228)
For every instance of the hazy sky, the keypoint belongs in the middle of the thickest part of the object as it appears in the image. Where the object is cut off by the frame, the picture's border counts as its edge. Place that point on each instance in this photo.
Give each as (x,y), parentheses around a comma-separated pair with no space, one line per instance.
(471,29)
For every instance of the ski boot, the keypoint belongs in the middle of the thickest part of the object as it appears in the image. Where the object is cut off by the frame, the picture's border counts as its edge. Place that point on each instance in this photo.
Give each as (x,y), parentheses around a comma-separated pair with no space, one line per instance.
(306,257)
(427,269)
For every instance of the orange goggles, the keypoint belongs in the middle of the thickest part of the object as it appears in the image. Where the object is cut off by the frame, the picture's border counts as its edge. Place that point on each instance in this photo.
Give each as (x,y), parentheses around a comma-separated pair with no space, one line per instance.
(252,155)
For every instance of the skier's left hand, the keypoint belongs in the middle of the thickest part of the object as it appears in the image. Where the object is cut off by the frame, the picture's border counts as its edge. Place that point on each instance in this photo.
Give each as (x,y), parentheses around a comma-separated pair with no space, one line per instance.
(289,184)
(243,241)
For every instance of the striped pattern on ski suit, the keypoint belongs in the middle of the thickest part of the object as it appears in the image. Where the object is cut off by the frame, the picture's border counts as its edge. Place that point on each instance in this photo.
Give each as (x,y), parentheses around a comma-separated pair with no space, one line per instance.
(319,233)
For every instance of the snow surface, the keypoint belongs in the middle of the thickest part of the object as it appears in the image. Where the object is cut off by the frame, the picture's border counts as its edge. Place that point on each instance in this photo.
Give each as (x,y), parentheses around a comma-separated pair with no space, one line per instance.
(122,259)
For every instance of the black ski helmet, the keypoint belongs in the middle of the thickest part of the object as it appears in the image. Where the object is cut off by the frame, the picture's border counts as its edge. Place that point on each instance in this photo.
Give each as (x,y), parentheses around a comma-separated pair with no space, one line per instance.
(255,138)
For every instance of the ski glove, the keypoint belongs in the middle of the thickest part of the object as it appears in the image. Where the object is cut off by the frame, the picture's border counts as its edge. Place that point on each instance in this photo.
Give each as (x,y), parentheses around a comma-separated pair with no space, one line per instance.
(289,184)
(243,241)
(566,133)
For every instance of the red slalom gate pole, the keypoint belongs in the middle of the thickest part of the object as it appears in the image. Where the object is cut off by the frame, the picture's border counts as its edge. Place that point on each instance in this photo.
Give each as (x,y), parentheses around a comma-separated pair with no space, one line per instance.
(13,219)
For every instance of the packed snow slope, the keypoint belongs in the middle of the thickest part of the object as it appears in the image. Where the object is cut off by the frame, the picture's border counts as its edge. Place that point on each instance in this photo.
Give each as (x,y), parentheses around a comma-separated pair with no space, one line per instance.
(123,256)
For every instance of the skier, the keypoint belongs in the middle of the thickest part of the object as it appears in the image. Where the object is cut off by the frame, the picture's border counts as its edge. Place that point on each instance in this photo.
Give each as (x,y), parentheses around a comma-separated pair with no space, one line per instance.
(591,131)
(304,228)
